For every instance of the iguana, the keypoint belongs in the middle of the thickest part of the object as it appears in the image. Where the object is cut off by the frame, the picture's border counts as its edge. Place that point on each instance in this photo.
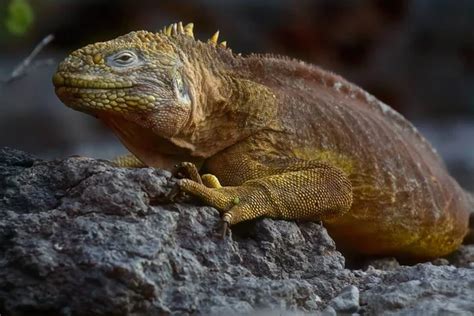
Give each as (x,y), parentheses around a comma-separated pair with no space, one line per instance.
(272,137)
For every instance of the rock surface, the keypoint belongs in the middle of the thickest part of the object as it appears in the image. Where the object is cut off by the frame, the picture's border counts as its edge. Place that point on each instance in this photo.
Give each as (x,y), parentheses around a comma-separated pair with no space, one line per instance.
(81,237)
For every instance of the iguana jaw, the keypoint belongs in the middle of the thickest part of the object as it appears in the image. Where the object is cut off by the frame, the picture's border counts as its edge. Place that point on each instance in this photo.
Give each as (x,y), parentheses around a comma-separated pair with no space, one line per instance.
(91,94)
(90,82)
(129,109)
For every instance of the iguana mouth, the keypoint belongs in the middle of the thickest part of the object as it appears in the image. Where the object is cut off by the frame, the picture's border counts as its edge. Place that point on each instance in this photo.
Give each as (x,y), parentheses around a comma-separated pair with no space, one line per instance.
(92,94)
(89,82)
(116,100)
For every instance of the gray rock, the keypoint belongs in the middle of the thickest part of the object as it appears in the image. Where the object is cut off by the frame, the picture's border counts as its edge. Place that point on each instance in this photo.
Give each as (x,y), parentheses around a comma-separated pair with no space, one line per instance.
(329,311)
(463,257)
(81,237)
(347,301)
(424,289)
(385,264)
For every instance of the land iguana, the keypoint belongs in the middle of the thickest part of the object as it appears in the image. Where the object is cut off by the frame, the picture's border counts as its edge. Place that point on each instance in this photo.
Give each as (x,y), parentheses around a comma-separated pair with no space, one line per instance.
(273,137)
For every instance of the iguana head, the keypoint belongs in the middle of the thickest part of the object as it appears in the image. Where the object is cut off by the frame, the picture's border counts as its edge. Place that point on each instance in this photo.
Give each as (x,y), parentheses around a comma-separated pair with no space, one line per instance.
(141,80)
(135,74)
(159,92)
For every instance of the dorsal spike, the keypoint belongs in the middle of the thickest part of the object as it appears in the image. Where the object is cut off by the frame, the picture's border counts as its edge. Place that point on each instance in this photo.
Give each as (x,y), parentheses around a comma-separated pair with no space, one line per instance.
(188,29)
(180,28)
(214,38)
(168,30)
(174,29)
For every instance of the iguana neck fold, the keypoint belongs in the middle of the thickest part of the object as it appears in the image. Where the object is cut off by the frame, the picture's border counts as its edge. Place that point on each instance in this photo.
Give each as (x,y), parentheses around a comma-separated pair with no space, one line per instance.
(226,107)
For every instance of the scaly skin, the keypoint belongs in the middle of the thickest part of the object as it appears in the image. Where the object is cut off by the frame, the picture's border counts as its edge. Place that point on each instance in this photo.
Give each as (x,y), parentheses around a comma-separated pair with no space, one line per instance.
(284,139)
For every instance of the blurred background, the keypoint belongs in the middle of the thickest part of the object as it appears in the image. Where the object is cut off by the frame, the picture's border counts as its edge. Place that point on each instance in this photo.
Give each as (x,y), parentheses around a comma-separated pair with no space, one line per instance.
(417,56)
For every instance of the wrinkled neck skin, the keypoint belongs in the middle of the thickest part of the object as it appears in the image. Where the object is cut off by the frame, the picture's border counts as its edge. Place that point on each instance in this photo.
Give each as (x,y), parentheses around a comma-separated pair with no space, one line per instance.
(225,107)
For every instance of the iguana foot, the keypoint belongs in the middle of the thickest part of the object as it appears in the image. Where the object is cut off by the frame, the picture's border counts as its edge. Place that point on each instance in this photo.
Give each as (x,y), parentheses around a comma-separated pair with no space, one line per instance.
(236,204)
(210,181)
(187,170)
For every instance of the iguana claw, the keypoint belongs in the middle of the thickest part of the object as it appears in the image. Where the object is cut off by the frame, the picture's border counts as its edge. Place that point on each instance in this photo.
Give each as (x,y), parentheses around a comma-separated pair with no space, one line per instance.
(225,224)
(225,229)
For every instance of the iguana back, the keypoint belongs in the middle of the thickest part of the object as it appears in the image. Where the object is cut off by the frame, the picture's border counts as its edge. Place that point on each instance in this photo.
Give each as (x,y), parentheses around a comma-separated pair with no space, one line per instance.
(402,192)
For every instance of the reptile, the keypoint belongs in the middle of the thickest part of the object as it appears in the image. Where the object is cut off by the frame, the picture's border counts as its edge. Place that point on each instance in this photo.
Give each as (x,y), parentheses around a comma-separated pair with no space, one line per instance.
(272,137)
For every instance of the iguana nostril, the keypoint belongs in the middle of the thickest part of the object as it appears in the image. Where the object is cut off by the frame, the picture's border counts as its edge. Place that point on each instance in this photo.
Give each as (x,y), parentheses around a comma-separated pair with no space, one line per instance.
(74,62)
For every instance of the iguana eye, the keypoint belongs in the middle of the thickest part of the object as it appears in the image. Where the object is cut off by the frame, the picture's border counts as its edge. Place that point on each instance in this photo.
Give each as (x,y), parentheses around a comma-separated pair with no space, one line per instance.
(123,59)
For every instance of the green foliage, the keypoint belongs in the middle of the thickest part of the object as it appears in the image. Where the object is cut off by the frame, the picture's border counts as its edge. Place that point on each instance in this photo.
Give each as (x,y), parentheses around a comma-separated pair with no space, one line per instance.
(19,18)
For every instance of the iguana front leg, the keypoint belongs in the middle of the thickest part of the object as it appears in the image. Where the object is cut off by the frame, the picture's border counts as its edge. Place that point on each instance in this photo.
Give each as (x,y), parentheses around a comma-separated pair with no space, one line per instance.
(306,190)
